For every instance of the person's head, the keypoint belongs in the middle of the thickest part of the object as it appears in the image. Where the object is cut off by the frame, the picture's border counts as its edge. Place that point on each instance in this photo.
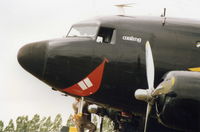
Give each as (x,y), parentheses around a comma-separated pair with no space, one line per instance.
(77,99)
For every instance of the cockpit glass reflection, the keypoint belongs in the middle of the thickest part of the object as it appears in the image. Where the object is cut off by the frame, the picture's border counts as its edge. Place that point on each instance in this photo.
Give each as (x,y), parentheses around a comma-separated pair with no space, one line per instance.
(83,31)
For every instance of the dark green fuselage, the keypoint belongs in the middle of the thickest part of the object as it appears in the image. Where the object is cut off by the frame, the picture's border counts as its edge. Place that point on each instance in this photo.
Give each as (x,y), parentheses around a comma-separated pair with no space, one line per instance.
(63,62)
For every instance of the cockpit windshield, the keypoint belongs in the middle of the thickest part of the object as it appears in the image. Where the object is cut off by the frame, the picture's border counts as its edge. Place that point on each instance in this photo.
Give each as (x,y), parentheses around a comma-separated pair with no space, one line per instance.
(83,31)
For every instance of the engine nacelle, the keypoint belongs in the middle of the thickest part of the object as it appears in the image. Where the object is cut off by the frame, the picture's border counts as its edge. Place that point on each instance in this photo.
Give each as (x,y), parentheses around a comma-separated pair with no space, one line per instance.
(180,109)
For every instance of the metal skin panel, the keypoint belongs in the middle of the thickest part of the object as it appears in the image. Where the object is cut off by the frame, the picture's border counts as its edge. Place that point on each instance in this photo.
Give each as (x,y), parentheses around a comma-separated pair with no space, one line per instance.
(181,107)
(69,60)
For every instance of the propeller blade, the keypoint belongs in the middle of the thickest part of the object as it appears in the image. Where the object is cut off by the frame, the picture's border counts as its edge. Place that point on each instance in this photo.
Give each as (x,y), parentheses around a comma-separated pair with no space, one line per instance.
(150,79)
(149,66)
(149,107)
(146,95)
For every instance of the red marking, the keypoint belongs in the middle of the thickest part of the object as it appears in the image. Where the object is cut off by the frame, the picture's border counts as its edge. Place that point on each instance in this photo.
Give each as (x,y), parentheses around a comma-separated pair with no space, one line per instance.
(95,77)
(106,60)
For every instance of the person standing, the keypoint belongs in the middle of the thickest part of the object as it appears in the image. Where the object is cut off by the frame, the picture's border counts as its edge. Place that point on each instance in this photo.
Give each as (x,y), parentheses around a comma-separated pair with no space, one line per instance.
(82,116)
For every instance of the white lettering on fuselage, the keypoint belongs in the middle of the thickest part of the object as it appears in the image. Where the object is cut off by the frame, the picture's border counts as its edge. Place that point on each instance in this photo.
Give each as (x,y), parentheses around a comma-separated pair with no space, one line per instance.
(132,38)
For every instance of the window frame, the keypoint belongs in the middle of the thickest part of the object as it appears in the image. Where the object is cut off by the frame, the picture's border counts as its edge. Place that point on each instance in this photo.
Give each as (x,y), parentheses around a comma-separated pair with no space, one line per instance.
(112,38)
(85,24)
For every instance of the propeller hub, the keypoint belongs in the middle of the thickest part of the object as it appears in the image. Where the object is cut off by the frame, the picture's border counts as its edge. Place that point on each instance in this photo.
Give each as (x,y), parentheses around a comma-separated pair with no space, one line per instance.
(143,95)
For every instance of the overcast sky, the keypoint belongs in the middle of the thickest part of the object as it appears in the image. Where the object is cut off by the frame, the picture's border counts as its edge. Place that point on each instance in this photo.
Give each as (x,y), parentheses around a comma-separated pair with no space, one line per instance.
(25,21)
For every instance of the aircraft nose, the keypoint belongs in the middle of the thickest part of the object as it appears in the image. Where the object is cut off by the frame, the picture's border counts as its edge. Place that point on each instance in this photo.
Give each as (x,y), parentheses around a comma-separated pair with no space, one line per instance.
(32,58)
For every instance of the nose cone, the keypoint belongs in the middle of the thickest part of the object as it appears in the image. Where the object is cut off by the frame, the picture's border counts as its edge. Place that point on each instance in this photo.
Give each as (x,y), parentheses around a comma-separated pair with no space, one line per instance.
(32,58)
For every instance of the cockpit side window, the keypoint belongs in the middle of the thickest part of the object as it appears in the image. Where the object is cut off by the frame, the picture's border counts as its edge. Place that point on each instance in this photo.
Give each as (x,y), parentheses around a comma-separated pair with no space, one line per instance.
(105,35)
(83,31)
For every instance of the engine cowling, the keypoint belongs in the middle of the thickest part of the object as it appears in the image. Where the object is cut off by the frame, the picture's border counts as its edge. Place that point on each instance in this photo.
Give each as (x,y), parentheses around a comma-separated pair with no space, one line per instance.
(180,108)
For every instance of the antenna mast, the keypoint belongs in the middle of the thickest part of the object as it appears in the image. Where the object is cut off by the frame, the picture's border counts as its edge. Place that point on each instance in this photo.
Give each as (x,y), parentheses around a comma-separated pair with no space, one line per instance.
(121,10)
(164,16)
